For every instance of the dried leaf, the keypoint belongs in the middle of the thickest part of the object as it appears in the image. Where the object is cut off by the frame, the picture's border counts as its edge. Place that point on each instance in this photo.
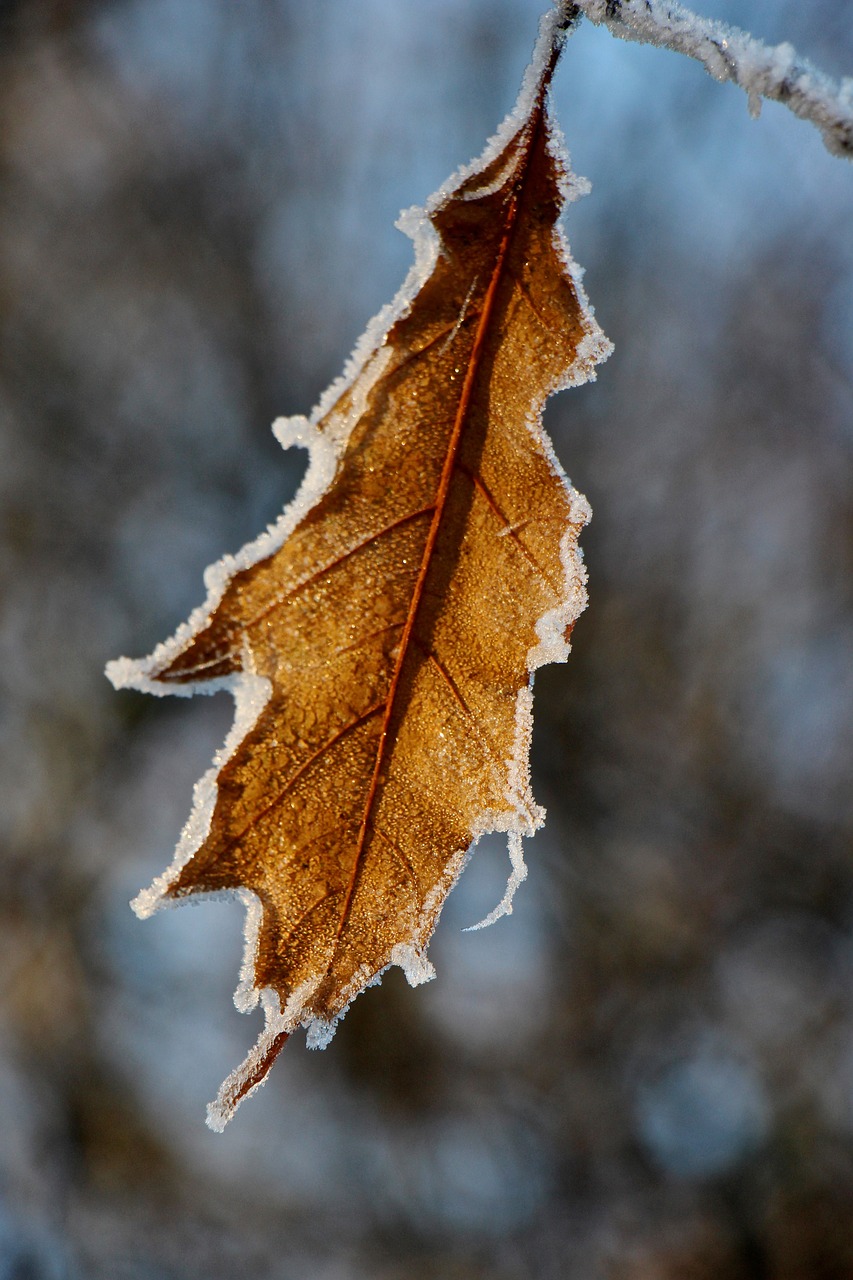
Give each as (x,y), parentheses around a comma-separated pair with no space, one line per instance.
(380,639)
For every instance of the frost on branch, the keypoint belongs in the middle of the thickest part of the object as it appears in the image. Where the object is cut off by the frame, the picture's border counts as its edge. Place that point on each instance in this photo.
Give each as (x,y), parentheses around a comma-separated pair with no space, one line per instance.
(380,639)
(776,72)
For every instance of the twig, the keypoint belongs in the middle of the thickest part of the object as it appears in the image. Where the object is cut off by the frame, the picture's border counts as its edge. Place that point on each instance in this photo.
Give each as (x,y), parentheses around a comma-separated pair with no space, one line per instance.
(763,71)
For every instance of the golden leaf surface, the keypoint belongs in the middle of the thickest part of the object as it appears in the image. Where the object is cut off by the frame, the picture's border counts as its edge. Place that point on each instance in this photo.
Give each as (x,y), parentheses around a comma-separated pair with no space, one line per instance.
(380,640)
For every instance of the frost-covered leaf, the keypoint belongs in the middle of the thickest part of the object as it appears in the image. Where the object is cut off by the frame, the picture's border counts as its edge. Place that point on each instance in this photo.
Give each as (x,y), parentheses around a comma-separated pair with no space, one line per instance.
(380,639)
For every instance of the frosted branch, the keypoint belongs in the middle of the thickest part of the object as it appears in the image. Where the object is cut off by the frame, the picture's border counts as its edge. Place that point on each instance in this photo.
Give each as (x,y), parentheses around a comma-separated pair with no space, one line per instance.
(774,72)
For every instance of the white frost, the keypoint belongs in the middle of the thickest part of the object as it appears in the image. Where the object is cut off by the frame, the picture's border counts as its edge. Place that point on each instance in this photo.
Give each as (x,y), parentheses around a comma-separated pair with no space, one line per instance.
(414,964)
(727,53)
(518,875)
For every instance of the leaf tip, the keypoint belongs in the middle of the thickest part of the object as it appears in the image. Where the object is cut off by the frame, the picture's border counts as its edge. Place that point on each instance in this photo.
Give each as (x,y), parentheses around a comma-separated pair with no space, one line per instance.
(145,903)
(248,1077)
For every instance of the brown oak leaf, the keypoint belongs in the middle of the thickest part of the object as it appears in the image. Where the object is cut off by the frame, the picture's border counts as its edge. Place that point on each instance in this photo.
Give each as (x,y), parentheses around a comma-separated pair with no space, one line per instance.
(381,638)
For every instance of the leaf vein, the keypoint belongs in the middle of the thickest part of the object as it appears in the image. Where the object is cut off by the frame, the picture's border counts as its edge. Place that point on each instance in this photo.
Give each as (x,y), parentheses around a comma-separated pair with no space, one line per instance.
(403,858)
(303,768)
(510,530)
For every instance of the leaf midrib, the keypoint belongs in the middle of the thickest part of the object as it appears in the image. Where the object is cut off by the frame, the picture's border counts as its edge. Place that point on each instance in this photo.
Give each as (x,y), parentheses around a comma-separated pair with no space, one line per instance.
(473,368)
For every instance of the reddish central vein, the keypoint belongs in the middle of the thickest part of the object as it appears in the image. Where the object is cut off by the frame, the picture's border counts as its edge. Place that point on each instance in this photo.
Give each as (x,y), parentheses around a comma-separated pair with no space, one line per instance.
(471,373)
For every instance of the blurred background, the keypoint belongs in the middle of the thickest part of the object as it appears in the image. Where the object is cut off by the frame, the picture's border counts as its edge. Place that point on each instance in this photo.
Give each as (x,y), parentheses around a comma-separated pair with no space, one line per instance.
(647,1072)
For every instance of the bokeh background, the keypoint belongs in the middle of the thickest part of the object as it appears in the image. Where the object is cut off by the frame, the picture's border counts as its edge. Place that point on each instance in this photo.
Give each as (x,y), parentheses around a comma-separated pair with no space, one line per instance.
(647,1072)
